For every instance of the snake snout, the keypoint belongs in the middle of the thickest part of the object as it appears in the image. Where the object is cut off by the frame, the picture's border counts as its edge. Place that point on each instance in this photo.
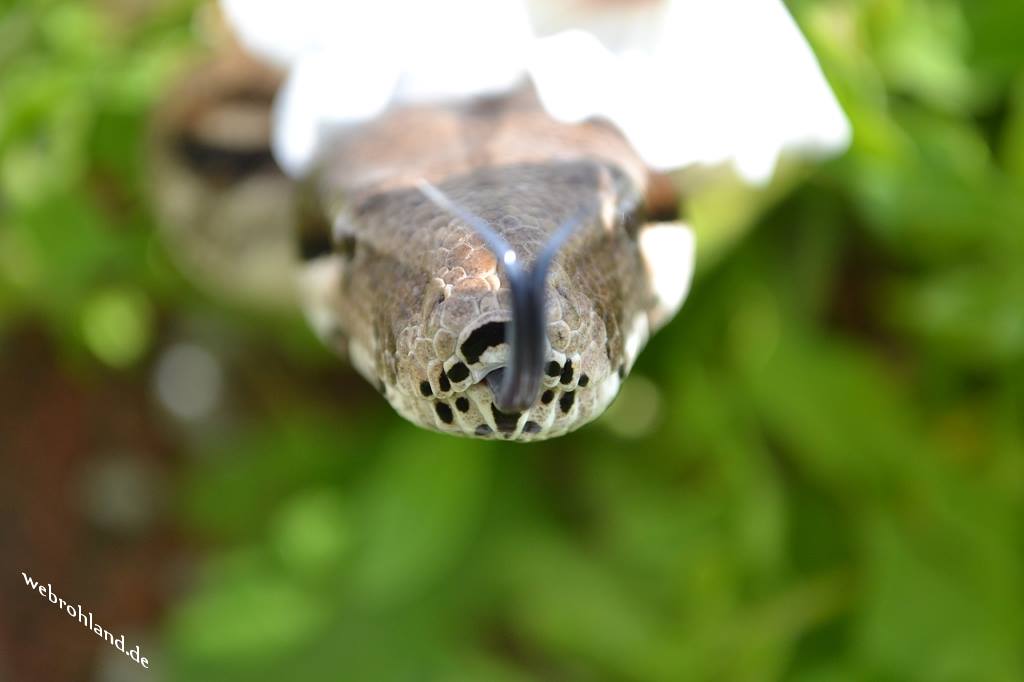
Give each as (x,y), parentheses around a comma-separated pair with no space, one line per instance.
(526,388)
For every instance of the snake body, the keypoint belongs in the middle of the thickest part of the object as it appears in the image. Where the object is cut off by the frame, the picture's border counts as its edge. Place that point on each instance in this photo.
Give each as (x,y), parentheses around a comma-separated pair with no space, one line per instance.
(422,306)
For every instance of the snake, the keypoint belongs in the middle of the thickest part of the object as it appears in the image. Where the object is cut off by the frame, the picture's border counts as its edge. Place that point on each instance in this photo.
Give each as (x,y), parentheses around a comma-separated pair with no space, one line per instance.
(492,272)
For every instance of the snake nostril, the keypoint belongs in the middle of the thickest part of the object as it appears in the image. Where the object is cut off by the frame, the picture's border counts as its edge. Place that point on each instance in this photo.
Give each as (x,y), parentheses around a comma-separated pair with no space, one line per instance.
(482,338)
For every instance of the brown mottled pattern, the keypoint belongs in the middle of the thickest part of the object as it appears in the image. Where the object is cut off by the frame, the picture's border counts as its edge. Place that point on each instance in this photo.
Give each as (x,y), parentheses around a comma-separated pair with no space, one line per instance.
(224,208)
(415,283)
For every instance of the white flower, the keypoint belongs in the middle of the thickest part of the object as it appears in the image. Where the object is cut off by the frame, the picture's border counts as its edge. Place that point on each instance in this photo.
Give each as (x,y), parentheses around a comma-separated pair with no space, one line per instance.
(687,81)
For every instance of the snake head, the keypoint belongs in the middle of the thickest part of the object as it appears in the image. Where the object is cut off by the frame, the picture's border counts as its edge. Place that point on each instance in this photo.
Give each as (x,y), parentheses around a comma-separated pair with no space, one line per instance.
(506,303)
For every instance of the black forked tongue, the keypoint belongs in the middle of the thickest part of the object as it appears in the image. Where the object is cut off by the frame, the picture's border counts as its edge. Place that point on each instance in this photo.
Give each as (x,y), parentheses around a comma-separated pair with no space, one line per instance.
(517,385)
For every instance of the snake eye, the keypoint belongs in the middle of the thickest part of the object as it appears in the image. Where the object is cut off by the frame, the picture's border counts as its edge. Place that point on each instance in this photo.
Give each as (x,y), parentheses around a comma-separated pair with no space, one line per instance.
(632,219)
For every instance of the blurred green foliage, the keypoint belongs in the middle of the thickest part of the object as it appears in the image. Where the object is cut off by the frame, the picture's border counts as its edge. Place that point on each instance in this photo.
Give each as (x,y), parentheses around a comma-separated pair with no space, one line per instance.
(831,486)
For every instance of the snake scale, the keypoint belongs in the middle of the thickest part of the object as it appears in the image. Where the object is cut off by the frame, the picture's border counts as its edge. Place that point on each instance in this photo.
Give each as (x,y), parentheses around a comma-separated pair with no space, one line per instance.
(396,258)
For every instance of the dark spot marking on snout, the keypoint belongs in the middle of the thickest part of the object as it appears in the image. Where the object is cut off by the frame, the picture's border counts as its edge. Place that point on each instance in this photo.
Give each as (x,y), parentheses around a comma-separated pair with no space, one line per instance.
(458,372)
(622,371)
(566,401)
(462,404)
(531,427)
(444,412)
(482,338)
(506,422)
(547,397)
(483,430)
(584,380)
(553,369)
(443,383)
(425,389)
(567,373)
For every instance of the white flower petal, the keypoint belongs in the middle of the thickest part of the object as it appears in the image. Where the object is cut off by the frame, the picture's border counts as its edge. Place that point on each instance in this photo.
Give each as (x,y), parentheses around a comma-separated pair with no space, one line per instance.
(307,108)
(349,61)
(687,81)
(281,32)
(730,80)
(461,48)
(572,72)
(620,25)
(669,252)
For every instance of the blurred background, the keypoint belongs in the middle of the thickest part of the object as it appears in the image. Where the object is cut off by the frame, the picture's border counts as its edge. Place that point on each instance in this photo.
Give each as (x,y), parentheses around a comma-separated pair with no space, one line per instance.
(815,473)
